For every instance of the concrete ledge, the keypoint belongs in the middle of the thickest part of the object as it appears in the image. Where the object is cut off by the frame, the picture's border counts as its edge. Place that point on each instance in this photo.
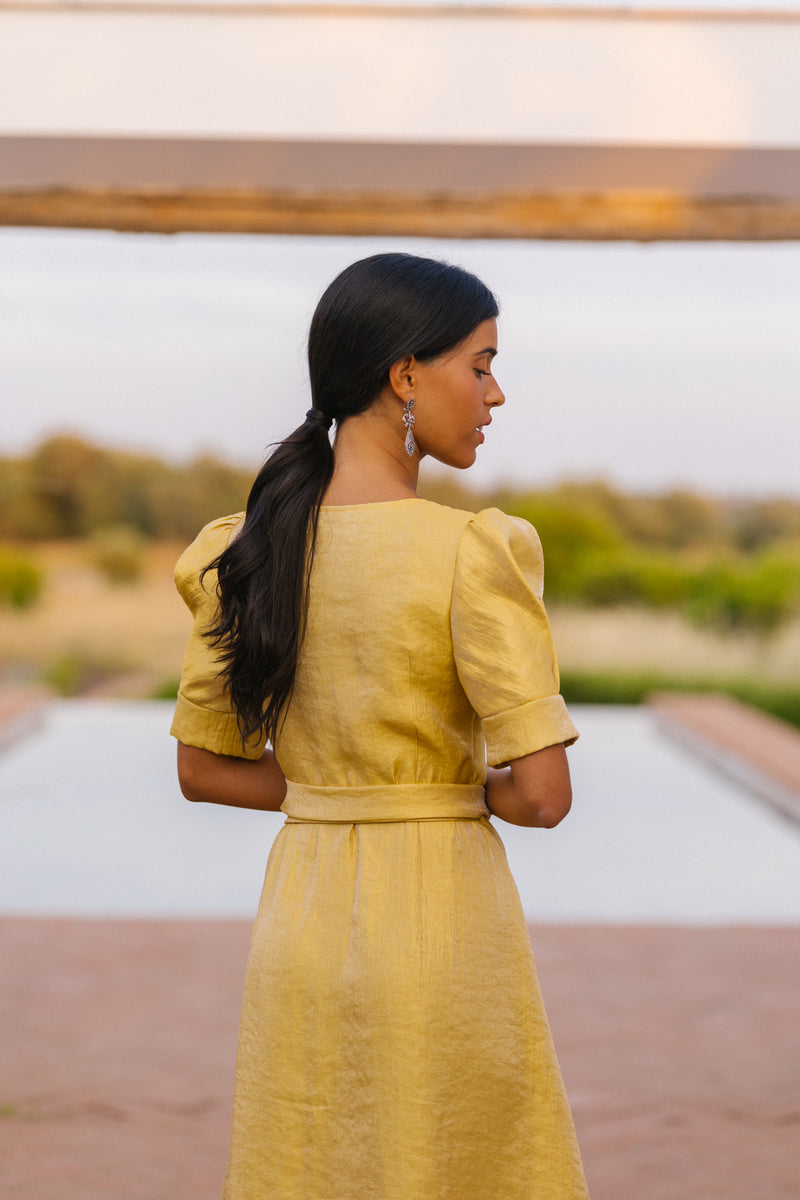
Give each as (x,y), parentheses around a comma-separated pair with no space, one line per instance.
(21,711)
(759,751)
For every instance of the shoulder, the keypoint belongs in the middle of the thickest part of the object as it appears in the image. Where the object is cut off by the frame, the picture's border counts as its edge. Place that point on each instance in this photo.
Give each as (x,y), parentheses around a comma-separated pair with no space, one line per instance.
(209,543)
(489,526)
(496,545)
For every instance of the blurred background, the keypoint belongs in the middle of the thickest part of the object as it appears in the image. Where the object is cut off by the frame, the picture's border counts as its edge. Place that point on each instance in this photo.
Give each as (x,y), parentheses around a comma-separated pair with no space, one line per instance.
(627,182)
(650,433)
(179,181)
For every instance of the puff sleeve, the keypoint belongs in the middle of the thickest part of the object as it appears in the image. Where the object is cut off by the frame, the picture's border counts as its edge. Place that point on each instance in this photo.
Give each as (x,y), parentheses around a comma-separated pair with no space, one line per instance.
(203,715)
(501,638)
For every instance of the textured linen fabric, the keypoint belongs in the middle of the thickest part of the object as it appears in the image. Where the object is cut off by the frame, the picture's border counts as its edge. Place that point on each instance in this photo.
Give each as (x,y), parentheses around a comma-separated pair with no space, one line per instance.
(393,1041)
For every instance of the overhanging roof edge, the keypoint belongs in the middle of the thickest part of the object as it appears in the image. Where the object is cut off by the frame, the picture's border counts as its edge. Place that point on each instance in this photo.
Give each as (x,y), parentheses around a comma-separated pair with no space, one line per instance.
(210,8)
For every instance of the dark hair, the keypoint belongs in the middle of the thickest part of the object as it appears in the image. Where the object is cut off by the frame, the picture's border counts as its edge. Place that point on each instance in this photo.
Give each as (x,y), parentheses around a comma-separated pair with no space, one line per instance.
(374,313)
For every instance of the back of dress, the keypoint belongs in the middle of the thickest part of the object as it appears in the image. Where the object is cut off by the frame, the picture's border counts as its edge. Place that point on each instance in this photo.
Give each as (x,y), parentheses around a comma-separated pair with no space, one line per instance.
(393,1043)
(377,698)
(426,635)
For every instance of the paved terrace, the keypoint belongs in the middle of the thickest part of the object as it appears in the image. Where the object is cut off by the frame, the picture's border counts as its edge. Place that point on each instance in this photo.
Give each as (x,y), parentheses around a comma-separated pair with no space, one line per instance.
(679,1042)
(679,1048)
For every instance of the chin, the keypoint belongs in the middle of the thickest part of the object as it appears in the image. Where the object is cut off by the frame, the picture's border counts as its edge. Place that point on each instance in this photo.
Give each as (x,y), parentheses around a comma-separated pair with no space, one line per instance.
(459,461)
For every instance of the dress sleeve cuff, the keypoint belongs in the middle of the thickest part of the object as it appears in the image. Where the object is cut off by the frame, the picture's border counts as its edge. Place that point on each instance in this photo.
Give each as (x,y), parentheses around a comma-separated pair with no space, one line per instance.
(209,729)
(530,727)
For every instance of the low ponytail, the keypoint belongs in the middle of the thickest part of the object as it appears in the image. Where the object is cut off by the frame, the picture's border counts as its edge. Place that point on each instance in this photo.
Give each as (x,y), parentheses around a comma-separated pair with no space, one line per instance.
(374,313)
(263,576)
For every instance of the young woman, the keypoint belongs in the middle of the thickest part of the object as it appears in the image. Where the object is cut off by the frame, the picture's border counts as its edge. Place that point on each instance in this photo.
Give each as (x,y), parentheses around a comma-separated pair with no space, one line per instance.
(393,1043)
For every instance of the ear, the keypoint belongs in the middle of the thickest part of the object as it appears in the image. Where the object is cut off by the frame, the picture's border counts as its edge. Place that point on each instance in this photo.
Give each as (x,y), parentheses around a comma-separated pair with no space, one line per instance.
(402,377)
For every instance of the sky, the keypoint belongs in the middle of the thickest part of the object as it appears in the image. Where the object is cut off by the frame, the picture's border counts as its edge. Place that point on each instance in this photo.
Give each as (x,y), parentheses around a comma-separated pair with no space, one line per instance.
(650,366)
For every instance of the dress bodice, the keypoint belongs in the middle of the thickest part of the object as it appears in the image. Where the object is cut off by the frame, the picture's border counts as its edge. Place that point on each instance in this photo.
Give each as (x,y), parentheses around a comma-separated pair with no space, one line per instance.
(427,646)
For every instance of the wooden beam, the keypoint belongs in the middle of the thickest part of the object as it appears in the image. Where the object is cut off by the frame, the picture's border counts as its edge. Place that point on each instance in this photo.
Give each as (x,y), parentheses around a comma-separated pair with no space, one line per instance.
(624,215)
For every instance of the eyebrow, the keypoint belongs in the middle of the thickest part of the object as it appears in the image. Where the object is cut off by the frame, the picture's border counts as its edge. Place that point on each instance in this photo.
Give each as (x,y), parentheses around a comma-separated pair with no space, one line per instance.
(490,350)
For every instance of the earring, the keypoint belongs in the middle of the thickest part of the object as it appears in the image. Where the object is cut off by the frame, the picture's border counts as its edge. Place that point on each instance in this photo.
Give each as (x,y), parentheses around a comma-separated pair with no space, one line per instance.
(408,421)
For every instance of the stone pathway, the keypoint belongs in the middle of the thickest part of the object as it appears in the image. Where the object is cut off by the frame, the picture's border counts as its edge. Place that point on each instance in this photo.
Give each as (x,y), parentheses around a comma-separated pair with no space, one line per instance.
(680,1049)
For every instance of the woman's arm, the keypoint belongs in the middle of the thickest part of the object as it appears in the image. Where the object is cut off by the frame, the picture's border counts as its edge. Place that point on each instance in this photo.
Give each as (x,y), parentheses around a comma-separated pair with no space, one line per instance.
(222,779)
(534,790)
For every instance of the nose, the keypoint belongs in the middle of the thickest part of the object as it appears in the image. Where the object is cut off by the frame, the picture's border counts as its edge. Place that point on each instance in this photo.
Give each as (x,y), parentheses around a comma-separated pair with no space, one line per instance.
(496,396)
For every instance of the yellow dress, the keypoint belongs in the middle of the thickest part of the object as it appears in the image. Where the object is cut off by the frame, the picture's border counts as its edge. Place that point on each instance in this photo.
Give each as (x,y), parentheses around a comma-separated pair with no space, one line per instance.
(393,1042)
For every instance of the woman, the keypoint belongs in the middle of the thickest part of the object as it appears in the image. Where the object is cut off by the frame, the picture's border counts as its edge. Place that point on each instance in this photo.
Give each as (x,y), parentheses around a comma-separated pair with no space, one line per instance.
(393,1043)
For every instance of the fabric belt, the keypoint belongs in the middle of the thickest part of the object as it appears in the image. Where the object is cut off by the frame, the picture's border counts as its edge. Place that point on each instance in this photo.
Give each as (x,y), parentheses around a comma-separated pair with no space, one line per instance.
(384,802)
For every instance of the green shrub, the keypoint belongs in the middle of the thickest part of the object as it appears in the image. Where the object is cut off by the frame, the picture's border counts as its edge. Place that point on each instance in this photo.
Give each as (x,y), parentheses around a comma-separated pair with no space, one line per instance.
(627,576)
(569,535)
(755,594)
(20,580)
(68,675)
(607,687)
(76,671)
(167,689)
(118,553)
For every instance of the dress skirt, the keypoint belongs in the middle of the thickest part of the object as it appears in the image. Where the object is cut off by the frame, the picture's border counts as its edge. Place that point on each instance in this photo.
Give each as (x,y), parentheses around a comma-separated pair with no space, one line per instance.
(393,1041)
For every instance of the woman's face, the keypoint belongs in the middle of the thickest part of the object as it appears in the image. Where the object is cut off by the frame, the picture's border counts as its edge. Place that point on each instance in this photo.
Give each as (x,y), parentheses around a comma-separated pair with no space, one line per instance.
(454,396)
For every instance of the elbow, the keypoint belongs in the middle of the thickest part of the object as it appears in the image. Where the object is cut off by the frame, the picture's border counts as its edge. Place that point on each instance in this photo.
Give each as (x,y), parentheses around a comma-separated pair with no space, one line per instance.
(553,811)
(190,774)
(541,788)
(189,789)
(547,811)
(552,794)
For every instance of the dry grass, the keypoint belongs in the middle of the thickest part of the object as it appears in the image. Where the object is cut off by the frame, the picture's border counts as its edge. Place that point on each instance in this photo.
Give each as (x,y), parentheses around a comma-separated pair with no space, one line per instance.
(131,637)
(632,640)
(131,634)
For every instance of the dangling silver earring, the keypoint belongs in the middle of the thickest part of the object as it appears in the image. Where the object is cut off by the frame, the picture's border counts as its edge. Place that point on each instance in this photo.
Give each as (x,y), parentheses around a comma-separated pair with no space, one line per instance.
(408,421)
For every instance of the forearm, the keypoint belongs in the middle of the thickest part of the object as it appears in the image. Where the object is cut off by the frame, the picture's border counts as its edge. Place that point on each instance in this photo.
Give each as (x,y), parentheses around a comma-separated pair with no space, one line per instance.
(503,801)
(534,791)
(238,782)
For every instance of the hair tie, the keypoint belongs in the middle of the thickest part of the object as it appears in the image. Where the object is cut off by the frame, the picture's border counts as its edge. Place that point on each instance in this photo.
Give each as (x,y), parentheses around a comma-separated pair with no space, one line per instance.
(319,417)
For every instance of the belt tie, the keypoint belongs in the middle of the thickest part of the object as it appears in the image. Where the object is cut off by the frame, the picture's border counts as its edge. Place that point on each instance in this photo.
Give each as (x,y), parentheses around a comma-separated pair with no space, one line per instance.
(384,802)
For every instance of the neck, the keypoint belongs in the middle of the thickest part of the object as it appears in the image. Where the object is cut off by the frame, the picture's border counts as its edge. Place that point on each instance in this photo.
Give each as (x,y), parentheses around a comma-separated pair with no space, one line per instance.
(371,461)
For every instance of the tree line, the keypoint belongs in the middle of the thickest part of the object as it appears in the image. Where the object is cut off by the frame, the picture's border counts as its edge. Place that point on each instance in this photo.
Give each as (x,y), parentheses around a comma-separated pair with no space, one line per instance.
(68,487)
(730,563)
